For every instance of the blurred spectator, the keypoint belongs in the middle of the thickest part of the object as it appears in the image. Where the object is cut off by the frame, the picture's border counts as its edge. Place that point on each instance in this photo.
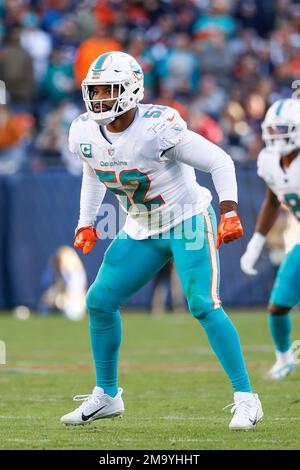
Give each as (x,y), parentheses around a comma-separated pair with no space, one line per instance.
(13,11)
(139,50)
(205,126)
(235,128)
(220,63)
(66,37)
(217,59)
(256,108)
(167,97)
(52,142)
(104,13)
(64,284)
(14,138)
(37,43)
(58,84)
(181,72)
(16,70)
(90,49)
(54,14)
(258,14)
(211,98)
(85,21)
(217,18)
(68,112)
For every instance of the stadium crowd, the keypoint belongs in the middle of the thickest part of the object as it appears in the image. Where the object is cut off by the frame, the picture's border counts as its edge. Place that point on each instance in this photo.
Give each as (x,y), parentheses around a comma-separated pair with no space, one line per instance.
(221,63)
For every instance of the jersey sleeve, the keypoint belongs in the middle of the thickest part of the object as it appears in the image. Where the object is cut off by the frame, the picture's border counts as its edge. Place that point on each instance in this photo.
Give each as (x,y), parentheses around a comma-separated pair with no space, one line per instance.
(75,131)
(172,131)
(164,129)
(91,197)
(198,152)
(73,146)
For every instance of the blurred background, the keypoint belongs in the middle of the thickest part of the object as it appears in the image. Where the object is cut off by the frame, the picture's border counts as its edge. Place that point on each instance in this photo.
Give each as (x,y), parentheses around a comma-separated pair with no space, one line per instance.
(220,63)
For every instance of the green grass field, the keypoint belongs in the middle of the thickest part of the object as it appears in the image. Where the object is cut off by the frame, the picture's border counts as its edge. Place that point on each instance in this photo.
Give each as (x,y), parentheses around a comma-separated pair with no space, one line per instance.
(174,389)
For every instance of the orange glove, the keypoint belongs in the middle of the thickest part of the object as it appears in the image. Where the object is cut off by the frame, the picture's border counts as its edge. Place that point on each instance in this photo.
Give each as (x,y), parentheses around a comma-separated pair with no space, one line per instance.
(85,239)
(229,228)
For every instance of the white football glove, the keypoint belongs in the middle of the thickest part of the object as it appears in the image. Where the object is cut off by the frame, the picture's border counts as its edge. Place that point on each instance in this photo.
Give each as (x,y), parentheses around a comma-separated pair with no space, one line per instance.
(252,253)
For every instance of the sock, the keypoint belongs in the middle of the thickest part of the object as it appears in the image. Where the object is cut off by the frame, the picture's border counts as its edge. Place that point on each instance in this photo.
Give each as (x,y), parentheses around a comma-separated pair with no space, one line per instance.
(225,342)
(281,327)
(105,334)
(286,357)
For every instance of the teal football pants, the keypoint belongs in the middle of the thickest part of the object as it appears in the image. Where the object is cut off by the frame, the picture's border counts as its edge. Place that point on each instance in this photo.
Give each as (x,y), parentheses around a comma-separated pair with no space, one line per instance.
(129,264)
(285,293)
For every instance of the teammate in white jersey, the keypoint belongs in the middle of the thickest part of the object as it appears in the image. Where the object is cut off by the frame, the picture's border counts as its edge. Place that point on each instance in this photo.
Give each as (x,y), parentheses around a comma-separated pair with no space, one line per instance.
(146,156)
(279,165)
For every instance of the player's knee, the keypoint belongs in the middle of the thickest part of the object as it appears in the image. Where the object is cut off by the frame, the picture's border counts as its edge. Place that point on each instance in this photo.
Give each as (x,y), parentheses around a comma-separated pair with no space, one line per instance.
(93,297)
(197,305)
(99,299)
(278,309)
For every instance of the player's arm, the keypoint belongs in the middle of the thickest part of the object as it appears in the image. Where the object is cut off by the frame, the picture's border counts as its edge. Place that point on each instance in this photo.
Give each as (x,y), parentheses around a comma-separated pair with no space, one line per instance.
(91,197)
(265,221)
(198,152)
(268,213)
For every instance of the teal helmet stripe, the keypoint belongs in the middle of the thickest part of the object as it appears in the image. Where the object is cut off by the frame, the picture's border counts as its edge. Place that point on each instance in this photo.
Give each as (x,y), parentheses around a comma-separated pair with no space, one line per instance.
(279,107)
(100,61)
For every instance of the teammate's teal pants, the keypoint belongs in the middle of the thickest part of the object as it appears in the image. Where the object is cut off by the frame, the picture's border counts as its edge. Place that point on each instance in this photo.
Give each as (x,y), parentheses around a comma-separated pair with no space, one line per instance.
(129,264)
(285,293)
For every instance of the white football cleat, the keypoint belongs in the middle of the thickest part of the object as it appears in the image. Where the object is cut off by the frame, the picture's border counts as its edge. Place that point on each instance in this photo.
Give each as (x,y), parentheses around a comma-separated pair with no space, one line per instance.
(279,370)
(283,366)
(95,406)
(247,411)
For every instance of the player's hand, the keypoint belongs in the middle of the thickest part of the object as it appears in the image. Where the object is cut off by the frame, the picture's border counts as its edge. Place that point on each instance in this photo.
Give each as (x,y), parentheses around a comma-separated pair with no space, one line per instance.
(85,239)
(247,262)
(252,253)
(229,229)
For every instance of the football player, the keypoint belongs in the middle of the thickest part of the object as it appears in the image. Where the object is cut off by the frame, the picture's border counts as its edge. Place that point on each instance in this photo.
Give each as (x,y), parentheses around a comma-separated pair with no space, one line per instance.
(279,165)
(145,154)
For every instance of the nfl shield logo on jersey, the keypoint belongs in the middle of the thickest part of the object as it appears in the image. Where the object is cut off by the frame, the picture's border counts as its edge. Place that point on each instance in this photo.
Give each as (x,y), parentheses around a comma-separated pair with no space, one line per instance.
(86,150)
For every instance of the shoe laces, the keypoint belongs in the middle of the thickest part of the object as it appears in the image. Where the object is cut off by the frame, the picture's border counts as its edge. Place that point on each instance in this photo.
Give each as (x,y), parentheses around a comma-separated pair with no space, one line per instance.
(86,399)
(243,406)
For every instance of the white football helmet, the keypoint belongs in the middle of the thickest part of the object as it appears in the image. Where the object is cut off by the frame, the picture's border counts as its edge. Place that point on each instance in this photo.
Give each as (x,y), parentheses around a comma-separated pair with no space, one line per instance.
(281,126)
(125,76)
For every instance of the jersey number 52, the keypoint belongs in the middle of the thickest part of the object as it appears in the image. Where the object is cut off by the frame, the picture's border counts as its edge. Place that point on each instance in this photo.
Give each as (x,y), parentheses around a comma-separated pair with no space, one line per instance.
(135,185)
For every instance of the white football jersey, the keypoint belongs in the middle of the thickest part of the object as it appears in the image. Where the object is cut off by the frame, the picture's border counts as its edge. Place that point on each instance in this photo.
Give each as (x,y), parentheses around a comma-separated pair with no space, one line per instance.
(285,183)
(156,193)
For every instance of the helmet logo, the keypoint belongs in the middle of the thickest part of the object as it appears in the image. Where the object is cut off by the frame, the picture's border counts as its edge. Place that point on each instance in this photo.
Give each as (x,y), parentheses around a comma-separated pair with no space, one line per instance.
(137,71)
(99,66)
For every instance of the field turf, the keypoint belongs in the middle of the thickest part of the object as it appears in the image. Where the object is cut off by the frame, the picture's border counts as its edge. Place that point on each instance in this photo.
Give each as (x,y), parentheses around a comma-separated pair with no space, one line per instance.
(174,389)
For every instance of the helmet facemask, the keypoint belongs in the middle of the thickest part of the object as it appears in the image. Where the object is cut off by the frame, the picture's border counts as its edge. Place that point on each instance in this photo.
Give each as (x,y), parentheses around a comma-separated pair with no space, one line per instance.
(281,138)
(124,94)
